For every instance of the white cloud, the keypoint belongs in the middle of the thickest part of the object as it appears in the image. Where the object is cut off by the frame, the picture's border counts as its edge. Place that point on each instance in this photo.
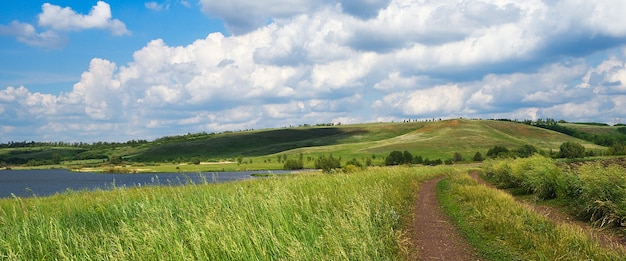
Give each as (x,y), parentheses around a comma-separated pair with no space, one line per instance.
(307,61)
(441,100)
(154,6)
(59,20)
(26,33)
(66,19)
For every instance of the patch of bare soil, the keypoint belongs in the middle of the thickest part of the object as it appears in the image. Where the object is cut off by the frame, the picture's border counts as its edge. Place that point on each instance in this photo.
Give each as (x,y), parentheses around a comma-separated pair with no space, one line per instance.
(432,233)
(606,238)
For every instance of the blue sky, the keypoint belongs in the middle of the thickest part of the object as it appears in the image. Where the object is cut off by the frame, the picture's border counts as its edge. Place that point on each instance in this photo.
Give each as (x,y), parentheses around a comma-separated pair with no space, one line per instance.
(121,70)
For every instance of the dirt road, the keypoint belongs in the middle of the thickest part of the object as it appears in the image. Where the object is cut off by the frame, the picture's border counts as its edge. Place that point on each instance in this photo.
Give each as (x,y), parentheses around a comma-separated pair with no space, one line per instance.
(433,234)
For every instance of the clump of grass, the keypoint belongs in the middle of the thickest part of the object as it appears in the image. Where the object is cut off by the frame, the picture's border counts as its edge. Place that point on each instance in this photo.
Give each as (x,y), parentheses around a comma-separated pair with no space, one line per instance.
(596,192)
(302,217)
(502,229)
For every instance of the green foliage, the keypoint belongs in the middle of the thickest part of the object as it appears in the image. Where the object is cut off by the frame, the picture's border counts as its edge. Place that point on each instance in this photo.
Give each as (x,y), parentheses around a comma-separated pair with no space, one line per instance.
(327,164)
(572,150)
(603,193)
(478,157)
(526,151)
(195,161)
(293,164)
(501,229)
(457,157)
(115,159)
(498,152)
(355,162)
(399,158)
(597,192)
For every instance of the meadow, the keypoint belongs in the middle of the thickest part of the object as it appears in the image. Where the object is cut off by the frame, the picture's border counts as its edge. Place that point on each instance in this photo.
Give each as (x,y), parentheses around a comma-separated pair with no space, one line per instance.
(502,229)
(357,216)
(268,149)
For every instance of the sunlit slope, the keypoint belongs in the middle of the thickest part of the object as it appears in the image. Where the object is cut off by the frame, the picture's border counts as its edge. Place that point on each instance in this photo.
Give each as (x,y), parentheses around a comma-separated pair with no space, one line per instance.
(441,139)
(266,142)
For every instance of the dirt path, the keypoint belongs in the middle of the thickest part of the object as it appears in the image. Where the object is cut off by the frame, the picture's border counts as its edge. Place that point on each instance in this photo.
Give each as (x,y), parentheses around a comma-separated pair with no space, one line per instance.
(433,234)
(605,238)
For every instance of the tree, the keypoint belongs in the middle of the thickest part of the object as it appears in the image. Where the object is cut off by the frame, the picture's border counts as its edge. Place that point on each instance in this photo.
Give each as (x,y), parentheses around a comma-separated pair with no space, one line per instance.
(327,164)
(115,159)
(293,164)
(526,151)
(457,157)
(394,158)
(239,160)
(498,151)
(56,158)
(354,162)
(407,157)
(478,157)
(572,150)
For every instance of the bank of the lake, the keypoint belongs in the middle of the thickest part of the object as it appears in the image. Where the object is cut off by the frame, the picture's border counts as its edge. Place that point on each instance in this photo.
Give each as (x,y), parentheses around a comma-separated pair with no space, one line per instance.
(27,183)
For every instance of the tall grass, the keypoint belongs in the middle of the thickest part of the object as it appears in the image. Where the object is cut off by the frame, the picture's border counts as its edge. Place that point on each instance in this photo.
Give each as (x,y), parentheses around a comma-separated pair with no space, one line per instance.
(502,229)
(598,193)
(306,217)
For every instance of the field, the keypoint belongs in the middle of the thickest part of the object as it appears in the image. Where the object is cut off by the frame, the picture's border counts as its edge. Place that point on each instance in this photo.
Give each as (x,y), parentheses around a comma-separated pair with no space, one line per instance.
(267,149)
(361,215)
(304,217)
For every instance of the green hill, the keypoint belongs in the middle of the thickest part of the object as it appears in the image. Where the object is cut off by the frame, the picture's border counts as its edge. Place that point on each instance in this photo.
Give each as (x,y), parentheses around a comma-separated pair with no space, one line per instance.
(433,139)
(439,139)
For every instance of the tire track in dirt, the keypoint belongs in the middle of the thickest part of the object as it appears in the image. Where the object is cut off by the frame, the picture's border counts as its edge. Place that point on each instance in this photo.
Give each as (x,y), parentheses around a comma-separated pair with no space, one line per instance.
(432,233)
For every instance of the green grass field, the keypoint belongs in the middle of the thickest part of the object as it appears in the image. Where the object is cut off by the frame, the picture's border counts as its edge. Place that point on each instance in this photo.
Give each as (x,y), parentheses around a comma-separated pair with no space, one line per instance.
(260,149)
(356,216)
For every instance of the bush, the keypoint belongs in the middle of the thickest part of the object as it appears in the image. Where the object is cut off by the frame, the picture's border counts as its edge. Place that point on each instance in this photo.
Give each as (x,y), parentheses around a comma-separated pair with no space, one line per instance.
(498,152)
(478,157)
(572,150)
(293,164)
(327,164)
(195,161)
(354,162)
(603,193)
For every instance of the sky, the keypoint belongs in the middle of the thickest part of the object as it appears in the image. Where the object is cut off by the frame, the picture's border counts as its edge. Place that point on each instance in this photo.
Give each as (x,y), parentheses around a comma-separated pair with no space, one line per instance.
(86,71)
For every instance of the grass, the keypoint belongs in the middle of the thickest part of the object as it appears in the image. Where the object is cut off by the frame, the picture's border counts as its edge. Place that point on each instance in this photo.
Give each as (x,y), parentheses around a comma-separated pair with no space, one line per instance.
(303,217)
(432,140)
(502,229)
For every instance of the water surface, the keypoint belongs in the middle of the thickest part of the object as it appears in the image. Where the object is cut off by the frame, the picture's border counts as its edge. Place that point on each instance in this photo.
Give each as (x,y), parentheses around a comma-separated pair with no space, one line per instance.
(28,183)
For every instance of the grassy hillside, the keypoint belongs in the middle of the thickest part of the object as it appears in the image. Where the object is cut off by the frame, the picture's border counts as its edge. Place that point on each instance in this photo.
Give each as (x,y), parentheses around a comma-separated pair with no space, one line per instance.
(433,140)
(443,138)
(265,142)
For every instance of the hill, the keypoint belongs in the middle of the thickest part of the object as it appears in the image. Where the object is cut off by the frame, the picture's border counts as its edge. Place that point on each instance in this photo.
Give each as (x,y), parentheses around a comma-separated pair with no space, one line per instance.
(438,139)
(433,139)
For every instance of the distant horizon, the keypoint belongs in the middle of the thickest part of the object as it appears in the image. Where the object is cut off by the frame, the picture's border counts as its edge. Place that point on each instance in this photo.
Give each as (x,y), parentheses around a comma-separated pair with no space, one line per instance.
(117,70)
(305,125)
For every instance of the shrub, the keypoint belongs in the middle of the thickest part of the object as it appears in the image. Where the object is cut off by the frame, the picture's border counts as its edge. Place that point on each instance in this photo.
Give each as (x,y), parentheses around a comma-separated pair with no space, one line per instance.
(327,164)
(572,150)
(354,162)
(498,152)
(195,161)
(603,193)
(293,164)
(478,157)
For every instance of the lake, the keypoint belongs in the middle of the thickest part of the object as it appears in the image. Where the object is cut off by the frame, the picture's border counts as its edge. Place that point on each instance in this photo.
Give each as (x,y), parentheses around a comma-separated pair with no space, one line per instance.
(28,183)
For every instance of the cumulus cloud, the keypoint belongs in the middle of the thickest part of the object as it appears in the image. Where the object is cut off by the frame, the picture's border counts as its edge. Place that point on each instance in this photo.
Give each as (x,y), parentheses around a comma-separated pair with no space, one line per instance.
(66,19)
(26,33)
(59,20)
(308,61)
